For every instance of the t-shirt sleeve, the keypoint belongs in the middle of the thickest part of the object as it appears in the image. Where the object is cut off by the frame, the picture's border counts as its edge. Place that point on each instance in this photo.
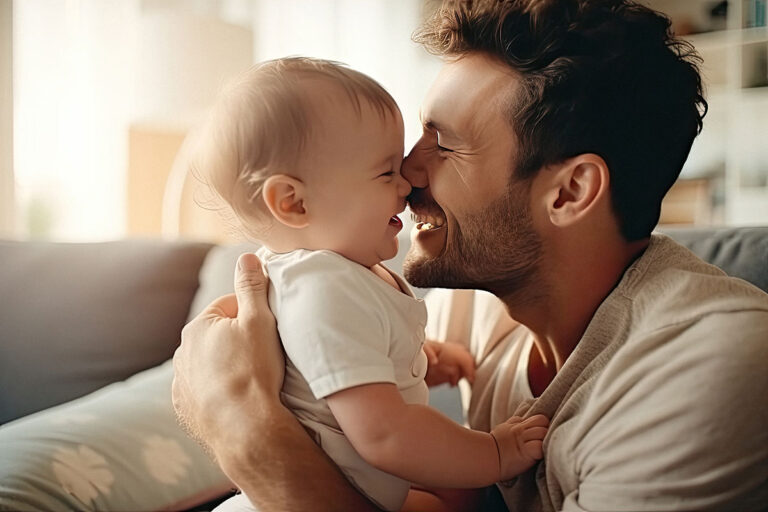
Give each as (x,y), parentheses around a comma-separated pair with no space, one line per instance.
(333,326)
(680,424)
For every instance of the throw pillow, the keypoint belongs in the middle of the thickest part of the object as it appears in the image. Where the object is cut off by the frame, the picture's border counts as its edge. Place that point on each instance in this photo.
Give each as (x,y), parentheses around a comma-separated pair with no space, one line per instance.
(119,448)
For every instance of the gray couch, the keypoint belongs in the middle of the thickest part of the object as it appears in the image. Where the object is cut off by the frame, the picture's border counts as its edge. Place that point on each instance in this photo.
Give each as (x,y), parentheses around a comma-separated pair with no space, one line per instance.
(85,329)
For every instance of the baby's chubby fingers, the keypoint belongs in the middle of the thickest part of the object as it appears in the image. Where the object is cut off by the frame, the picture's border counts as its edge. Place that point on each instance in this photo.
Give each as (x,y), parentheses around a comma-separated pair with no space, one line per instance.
(431,351)
(513,420)
(533,449)
(466,364)
(534,434)
(520,443)
(538,420)
(454,374)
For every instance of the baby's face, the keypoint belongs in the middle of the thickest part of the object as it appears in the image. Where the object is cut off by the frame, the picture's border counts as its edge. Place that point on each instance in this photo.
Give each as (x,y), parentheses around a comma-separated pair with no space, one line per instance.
(354,187)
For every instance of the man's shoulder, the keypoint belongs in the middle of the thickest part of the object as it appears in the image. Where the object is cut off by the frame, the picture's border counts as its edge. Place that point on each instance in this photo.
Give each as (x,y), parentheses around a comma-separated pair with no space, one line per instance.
(658,401)
(688,324)
(674,401)
(677,405)
(676,287)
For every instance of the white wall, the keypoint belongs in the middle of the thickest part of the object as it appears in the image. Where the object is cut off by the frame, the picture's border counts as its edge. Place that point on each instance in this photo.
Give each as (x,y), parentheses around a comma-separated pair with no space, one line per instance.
(183,59)
(372,36)
(72,103)
(7,210)
(85,70)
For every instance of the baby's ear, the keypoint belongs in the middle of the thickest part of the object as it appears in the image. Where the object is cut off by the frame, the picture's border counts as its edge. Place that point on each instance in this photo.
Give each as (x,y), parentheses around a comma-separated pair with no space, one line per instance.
(284,196)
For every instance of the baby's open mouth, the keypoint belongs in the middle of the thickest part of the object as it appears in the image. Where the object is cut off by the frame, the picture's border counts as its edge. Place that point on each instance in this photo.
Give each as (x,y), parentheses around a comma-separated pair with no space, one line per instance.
(395,221)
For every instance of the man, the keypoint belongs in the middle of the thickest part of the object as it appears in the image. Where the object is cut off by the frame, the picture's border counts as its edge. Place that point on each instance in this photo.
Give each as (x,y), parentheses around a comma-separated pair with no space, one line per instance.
(550,137)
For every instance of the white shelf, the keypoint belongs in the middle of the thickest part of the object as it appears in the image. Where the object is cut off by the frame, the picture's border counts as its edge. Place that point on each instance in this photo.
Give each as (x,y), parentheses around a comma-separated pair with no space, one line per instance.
(751,207)
(733,148)
(717,40)
(753,35)
(759,94)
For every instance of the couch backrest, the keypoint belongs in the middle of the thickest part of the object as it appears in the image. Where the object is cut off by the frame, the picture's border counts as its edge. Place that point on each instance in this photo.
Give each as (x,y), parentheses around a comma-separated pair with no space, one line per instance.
(75,316)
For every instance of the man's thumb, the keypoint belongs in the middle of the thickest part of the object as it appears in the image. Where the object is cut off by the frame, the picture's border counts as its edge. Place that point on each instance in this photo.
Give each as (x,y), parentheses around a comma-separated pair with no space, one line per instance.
(251,285)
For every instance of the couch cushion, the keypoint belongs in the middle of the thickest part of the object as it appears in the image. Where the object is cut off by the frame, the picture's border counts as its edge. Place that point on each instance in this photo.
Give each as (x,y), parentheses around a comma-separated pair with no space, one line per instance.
(77,316)
(118,448)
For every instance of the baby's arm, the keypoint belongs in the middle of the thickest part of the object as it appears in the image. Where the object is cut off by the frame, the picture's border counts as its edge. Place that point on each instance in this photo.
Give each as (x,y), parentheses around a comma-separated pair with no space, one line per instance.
(418,444)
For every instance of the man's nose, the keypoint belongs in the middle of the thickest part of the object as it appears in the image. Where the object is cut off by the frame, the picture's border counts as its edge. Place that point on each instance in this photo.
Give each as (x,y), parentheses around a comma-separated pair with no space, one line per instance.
(414,169)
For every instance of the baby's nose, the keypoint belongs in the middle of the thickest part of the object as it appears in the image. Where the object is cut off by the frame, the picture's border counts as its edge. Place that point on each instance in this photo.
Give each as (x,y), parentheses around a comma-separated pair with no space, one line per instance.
(414,170)
(403,187)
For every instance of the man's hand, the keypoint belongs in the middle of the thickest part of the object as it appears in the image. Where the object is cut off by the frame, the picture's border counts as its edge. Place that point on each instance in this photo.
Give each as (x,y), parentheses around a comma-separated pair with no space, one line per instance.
(230,360)
(448,362)
(519,442)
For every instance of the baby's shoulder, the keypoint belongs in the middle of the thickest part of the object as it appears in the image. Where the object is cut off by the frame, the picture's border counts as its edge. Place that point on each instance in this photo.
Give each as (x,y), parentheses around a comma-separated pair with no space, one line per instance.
(311,290)
(303,264)
(315,275)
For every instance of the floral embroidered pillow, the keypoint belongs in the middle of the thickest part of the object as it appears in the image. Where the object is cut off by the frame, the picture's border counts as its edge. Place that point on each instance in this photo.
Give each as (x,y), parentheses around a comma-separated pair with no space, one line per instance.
(116,449)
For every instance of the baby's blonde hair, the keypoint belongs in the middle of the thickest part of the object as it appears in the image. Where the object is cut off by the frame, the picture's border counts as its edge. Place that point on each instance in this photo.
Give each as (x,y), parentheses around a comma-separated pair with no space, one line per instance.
(260,126)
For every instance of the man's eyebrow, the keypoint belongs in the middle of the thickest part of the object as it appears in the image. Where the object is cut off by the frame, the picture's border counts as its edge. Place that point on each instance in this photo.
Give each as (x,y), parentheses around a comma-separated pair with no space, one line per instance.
(433,125)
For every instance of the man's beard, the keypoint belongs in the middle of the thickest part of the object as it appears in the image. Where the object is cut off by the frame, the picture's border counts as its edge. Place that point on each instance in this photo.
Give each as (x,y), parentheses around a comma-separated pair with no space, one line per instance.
(496,250)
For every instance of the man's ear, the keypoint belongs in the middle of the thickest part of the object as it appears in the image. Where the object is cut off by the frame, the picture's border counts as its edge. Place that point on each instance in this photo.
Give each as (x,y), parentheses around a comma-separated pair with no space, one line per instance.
(284,196)
(576,187)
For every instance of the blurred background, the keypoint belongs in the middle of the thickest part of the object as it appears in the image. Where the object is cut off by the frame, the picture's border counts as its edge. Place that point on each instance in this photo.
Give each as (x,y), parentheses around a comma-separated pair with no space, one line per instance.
(96,97)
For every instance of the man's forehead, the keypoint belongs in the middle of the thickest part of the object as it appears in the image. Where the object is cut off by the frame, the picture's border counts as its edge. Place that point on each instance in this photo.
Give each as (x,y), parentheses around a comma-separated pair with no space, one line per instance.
(468,89)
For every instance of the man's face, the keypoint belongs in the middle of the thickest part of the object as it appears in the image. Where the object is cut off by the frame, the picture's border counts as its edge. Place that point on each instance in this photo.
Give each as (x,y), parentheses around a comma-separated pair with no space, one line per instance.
(474,225)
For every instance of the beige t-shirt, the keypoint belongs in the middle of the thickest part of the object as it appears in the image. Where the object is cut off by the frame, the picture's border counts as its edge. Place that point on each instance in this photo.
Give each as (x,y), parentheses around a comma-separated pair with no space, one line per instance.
(663,405)
(343,326)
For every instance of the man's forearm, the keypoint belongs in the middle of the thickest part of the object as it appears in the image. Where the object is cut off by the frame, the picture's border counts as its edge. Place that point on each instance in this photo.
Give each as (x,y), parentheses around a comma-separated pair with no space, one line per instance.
(278,466)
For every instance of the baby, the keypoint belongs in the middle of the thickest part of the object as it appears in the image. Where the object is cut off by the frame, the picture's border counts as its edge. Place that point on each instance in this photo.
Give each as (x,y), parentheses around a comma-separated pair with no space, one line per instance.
(307,155)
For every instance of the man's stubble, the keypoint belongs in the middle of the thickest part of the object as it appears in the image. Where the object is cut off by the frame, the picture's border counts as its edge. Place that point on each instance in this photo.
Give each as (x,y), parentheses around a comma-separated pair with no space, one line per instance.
(496,249)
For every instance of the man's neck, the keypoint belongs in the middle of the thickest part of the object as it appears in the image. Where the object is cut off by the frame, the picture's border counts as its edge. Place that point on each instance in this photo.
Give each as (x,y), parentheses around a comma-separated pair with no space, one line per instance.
(574,292)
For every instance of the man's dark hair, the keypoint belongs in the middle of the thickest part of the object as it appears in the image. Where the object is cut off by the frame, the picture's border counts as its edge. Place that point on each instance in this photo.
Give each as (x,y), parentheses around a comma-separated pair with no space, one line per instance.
(597,76)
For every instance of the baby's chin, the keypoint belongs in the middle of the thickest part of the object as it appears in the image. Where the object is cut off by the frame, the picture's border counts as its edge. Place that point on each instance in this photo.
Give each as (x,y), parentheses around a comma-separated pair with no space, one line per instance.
(367,260)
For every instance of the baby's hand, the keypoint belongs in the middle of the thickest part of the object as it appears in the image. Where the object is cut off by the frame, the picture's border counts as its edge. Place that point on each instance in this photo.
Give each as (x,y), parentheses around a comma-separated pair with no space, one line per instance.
(520,443)
(448,362)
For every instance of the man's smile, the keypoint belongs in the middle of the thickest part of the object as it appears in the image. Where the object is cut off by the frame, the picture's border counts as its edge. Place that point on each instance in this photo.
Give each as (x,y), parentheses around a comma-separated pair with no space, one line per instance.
(425,212)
